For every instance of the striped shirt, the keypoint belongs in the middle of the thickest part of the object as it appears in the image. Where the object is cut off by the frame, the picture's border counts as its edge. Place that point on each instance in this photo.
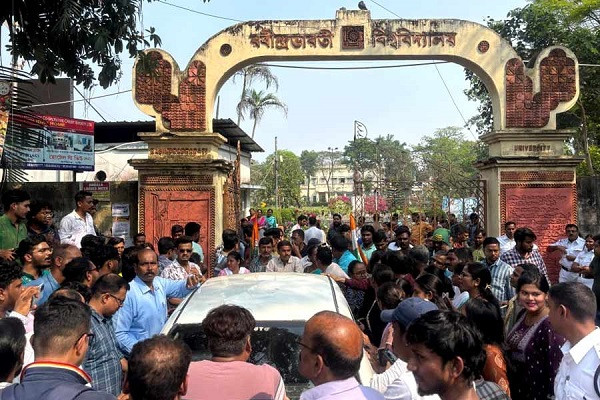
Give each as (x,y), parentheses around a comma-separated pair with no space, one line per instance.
(501,273)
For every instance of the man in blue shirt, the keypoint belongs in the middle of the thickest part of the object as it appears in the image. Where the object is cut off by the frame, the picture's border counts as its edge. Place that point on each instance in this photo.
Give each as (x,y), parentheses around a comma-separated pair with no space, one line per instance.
(61,256)
(341,255)
(144,311)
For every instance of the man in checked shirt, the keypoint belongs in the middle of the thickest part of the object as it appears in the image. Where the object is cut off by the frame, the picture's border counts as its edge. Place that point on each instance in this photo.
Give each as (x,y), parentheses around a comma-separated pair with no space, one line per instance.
(524,252)
(104,361)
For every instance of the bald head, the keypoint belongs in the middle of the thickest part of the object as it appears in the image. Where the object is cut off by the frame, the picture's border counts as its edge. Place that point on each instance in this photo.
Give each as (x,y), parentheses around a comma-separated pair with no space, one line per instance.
(338,340)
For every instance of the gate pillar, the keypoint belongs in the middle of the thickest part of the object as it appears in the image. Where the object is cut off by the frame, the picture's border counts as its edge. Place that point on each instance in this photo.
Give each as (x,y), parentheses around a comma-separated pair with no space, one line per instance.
(531,181)
(181,181)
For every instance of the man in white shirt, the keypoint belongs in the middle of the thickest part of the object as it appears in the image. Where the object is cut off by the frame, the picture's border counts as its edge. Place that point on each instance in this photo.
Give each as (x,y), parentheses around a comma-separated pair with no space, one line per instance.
(581,265)
(286,262)
(572,315)
(507,241)
(313,231)
(570,247)
(78,223)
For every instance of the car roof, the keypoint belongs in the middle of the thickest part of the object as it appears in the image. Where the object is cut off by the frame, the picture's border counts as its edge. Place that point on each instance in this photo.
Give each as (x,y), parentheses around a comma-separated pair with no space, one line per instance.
(269,296)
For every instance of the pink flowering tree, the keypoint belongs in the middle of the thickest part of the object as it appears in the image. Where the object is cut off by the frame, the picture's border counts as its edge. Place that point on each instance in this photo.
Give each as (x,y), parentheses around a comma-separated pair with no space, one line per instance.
(340,204)
(382,205)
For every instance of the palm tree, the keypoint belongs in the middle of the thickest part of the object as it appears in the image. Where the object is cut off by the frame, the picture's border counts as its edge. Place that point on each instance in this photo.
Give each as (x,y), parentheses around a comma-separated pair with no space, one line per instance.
(256,103)
(253,73)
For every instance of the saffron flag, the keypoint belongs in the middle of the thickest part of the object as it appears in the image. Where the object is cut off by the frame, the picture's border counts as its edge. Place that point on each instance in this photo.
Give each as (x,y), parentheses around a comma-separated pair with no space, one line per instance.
(355,247)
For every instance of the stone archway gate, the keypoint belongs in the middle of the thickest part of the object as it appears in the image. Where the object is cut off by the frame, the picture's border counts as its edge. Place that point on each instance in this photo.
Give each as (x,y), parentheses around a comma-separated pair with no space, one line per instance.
(529,177)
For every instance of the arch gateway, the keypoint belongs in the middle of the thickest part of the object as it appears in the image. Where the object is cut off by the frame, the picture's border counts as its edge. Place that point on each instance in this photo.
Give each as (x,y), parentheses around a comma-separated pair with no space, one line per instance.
(528,177)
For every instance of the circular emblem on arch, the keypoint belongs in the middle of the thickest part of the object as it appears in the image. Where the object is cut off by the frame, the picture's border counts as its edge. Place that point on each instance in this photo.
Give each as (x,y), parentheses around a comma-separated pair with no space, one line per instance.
(483,46)
(225,50)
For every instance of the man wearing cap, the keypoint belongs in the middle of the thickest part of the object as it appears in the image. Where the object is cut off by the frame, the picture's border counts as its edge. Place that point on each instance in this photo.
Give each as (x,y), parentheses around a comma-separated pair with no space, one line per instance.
(398,382)
(441,240)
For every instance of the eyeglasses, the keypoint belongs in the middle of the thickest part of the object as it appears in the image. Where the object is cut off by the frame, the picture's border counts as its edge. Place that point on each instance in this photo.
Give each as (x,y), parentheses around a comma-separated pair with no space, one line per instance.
(299,342)
(185,251)
(120,301)
(89,335)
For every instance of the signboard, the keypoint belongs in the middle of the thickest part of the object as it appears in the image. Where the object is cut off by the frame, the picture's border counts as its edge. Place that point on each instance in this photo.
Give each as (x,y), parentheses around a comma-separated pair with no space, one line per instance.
(120,210)
(65,144)
(100,190)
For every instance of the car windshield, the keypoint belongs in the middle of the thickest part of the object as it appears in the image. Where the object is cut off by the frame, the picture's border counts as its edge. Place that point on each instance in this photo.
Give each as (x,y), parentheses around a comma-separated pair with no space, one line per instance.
(273,343)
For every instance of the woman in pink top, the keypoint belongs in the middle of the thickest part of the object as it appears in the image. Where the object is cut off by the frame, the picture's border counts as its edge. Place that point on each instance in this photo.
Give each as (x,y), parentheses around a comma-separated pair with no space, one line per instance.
(234,261)
(228,375)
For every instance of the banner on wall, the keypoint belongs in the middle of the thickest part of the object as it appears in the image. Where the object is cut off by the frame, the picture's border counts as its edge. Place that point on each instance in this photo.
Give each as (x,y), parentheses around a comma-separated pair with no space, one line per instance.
(64,144)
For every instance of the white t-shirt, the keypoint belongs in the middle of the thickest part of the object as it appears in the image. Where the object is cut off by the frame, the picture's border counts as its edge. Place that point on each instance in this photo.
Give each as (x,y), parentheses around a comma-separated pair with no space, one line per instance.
(314,232)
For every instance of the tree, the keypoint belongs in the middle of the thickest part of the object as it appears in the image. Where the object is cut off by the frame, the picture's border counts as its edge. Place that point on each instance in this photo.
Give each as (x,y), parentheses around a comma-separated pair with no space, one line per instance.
(249,75)
(447,162)
(543,23)
(74,36)
(256,103)
(289,179)
(385,160)
(327,162)
(308,162)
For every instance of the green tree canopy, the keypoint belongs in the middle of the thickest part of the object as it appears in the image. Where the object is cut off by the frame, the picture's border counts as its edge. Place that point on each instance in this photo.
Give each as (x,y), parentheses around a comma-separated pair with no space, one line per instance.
(75,37)
(257,103)
(447,160)
(387,159)
(290,178)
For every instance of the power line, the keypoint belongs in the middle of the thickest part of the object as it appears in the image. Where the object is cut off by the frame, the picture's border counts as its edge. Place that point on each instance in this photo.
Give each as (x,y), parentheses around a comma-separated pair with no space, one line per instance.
(454,102)
(386,9)
(89,103)
(199,12)
(440,75)
(76,101)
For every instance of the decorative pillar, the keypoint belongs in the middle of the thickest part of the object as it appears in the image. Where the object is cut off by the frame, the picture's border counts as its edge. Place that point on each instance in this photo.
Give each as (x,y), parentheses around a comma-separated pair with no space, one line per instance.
(182,181)
(530,181)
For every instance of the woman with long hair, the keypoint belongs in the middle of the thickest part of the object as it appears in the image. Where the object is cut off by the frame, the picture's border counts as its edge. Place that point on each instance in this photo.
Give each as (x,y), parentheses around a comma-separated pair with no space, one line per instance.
(476,279)
(486,317)
(533,348)
(429,287)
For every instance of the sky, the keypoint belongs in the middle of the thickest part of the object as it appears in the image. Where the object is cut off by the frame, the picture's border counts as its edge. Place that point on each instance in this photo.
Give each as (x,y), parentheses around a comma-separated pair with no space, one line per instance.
(322,104)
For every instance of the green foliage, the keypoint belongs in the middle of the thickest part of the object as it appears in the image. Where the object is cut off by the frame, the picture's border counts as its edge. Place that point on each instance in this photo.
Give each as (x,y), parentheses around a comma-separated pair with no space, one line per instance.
(250,75)
(256,103)
(543,23)
(582,169)
(289,177)
(340,205)
(75,36)
(447,160)
(386,158)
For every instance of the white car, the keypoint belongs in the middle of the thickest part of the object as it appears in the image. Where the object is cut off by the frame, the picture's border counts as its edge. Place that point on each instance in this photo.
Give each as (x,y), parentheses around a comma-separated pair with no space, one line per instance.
(281,303)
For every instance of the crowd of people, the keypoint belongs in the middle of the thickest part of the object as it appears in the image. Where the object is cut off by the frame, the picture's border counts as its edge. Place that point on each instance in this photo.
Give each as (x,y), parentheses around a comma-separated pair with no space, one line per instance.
(440,310)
